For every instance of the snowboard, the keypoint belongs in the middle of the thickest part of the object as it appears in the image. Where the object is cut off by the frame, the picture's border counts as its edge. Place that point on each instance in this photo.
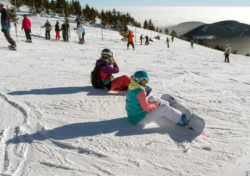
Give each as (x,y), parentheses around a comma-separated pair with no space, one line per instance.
(196,123)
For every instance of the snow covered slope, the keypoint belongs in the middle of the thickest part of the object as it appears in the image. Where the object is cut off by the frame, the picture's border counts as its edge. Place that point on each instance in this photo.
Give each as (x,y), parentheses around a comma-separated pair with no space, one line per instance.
(54,123)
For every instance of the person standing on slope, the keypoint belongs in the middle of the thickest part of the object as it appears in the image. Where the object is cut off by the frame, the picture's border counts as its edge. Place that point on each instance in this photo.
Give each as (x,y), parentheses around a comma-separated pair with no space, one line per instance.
(83,34)
(5,22)
(146,40)
(141,38)
(172,38)
(79,33)
(227,53)
(57,29)
(167,41)
(26,25)
(48,28)
(130,40)
(65,31)
(142,111)
(192,44)
(109,67)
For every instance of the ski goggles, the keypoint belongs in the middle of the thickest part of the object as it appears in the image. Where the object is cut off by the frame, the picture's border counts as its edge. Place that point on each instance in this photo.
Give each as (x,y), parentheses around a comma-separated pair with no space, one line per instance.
(110,54)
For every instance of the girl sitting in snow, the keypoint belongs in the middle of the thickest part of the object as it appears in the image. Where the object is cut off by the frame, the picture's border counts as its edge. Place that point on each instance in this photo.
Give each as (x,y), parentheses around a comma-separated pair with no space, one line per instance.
(142,111)
(109,67)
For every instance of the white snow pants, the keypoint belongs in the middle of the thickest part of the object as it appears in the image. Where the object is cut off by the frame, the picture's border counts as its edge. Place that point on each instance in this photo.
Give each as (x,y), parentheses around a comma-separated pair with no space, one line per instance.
(164,110)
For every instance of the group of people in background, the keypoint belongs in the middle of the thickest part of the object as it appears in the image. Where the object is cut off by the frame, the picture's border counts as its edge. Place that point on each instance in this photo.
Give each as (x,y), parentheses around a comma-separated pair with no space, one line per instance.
(26,26)
(146,39)
(80,31)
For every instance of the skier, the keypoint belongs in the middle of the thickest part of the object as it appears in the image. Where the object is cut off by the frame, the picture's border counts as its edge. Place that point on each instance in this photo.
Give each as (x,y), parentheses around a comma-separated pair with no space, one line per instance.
(83,34)
(227,53)
(5,22)
(142,111)
(167,41)
(26,25)
(65,31)
(147,40)
(172,38)
(130,40)
(192,44)
(79,33)
(141,38)
(57,29)
(47,27)
(109,67)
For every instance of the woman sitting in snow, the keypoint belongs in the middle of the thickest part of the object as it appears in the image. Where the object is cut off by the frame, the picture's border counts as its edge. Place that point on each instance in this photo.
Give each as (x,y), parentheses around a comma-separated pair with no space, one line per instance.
(109,67)
(142,111)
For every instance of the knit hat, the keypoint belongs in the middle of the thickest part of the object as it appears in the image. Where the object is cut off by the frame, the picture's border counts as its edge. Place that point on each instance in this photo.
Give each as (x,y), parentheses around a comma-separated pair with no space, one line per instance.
(107,53)
(141,77)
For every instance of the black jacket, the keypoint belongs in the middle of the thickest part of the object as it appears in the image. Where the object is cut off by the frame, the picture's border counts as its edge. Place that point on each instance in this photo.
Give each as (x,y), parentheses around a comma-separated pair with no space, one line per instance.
(65,27)
(57,28)
(4,15)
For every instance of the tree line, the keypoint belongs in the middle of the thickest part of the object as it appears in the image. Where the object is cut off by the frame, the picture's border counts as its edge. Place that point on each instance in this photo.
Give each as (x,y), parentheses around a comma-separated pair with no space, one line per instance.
(109,19)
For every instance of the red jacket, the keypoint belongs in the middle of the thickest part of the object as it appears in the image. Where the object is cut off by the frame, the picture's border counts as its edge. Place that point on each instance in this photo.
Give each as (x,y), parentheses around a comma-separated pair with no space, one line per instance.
(130,37)
(26,23)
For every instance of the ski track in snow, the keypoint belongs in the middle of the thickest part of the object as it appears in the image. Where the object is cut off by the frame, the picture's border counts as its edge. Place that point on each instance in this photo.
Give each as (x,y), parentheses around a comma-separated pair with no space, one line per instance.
(54,123)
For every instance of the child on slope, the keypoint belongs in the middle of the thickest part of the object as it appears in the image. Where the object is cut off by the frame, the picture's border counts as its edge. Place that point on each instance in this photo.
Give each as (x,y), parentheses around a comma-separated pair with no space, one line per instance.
(142,111)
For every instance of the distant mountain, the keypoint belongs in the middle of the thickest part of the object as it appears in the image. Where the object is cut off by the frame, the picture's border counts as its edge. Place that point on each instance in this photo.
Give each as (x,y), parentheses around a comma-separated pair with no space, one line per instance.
(185,27)
(219,30)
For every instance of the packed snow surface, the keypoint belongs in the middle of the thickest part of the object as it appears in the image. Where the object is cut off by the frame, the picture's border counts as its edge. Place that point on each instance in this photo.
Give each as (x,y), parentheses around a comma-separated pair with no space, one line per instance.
(54,123)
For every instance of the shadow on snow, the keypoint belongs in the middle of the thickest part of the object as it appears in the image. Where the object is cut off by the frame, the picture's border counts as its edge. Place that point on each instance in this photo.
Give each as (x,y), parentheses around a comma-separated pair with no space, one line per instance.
(65,90)
(121,126)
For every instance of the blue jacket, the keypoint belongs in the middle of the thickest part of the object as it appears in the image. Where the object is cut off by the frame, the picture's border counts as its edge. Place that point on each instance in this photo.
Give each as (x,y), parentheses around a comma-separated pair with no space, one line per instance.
(133,107)
(83,31)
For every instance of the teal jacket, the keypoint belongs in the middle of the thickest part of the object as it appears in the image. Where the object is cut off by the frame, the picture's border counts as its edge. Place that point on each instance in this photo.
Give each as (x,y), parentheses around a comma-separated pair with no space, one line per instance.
(133,108)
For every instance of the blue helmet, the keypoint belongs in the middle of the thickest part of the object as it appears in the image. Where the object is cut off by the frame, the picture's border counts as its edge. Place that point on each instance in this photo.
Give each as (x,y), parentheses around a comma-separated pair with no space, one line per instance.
(141,77)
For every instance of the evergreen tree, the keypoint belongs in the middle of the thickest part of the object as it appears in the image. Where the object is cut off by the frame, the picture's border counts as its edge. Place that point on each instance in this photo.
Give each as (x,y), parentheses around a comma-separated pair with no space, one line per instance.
(166,31)
(189,38)
(93,15)
(53,6)
(103,18)
(173,33)
(150,25)
(17,3)
(124,29)
(59,6)
(75,7)
(46,5)
(145,25)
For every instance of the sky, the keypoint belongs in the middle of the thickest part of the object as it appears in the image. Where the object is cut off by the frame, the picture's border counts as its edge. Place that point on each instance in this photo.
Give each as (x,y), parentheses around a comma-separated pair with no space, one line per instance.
(172,12)
(96,3)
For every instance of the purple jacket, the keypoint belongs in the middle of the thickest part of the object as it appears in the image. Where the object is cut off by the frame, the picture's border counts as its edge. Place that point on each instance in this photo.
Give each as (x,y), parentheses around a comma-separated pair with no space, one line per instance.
(107,68)
(5,22)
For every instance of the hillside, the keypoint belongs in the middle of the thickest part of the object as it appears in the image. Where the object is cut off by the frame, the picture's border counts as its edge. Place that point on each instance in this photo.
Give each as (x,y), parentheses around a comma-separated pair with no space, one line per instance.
(185,27)
(223,29)
(54,123)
